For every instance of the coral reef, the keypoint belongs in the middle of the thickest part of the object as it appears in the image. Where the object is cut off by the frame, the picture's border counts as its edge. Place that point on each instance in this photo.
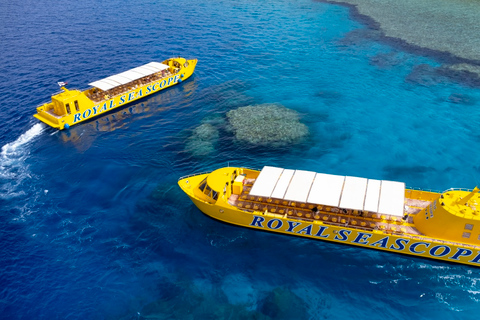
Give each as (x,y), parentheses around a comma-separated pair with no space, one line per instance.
(202,140)
(266,124)
(446,29)
(282,303)
(445,26)
(184,301)
(460,98)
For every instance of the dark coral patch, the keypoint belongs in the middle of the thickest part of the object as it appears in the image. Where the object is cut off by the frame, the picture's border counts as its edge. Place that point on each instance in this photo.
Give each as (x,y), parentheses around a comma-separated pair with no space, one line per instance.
(386,60)
(425,75)
(461,98)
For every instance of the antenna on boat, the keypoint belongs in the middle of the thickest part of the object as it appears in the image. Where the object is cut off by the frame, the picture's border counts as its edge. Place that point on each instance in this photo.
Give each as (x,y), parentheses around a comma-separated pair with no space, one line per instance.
(62,85)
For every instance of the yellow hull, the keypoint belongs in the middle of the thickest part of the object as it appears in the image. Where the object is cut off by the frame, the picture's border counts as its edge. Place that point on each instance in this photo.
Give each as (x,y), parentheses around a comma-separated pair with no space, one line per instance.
(415,245)
(73,106)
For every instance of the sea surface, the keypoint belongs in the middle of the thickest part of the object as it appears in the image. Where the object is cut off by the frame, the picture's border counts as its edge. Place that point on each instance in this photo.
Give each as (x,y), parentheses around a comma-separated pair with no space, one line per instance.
(93,224)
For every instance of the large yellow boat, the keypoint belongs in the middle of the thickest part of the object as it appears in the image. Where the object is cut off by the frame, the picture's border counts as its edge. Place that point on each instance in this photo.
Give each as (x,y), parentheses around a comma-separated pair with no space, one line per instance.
(74,106)
(364,212)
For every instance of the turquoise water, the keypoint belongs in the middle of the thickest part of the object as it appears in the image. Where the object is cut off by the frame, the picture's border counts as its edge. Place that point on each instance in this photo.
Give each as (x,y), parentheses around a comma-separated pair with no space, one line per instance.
(94,225)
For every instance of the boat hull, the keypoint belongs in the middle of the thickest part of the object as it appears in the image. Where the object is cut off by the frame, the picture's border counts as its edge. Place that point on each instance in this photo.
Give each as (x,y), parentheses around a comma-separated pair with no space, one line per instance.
(88,109)
(418,246)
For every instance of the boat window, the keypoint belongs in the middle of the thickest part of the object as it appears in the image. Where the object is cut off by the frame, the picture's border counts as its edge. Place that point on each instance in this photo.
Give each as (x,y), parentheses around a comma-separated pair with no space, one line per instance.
(203,184)
(68,108)
(185,64)
(207,191)
(214,195)
(76,106)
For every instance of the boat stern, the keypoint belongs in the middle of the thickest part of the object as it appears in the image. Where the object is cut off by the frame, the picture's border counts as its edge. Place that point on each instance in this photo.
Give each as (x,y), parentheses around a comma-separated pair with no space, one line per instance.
(453,216)
(62,112)
(48,118)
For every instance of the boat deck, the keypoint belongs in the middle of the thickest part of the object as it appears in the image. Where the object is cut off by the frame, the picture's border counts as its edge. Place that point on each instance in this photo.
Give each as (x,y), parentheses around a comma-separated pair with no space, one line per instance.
(53,114)
(338,217)
(333,216)
(97,95)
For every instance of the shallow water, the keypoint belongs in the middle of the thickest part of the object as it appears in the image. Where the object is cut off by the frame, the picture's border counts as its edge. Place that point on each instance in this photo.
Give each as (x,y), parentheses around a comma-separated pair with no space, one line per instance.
(94,225)
(448,29)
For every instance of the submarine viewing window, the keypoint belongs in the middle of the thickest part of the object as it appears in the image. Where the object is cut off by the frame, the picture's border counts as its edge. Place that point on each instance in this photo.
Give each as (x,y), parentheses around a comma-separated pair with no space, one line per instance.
(466,235)
(211,193)
(207,190)
(76,105)
(202,184)
(67,106)
(468,226)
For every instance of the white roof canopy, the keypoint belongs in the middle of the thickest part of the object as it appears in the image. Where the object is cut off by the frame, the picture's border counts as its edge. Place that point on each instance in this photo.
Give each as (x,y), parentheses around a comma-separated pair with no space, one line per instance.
(373,195)
(392,199)
(385,197)
(326,189)
(129,76)
(300,186)
(266,181)
(282,184)
(353,195)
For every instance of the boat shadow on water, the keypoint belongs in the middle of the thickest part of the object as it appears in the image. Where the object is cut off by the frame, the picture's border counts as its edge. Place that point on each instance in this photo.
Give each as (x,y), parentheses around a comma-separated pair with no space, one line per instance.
(83,135)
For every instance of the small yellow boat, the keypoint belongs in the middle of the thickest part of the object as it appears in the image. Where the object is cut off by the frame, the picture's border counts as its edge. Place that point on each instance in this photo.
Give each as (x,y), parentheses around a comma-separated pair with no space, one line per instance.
(74,106)
(369,213)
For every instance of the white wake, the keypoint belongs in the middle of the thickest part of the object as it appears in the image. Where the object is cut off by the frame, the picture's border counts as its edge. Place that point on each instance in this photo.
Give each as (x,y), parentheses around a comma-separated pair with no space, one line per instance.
(10,149)
(13,169)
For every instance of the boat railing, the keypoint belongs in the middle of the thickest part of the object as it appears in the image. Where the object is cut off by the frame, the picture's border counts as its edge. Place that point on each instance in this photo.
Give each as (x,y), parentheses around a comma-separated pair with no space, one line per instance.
(229,165)
(458,189)
(438,191)
(205,172)
(426,190)
(251,168)
(194,174)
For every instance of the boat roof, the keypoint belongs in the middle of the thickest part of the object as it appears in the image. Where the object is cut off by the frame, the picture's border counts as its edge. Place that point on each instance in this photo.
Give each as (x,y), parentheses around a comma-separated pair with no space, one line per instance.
(129,76)
(380,196)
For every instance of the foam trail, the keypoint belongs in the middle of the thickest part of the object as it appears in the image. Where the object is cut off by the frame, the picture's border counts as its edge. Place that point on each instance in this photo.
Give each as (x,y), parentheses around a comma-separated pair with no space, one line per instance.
(12,167)
(10,149)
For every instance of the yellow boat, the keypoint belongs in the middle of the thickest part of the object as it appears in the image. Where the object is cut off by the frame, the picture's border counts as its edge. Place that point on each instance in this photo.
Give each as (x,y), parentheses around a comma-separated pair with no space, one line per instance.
(370,213)
(74,106)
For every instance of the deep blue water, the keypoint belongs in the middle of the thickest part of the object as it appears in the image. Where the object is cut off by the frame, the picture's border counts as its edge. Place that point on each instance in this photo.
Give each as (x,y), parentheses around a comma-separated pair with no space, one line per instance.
(93,225)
